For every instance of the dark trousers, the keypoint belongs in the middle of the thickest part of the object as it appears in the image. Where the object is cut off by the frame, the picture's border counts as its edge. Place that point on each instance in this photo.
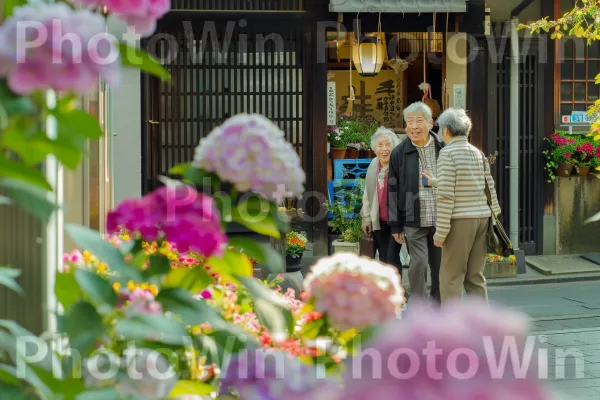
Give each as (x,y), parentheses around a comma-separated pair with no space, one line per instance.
(389,249)
(422,253)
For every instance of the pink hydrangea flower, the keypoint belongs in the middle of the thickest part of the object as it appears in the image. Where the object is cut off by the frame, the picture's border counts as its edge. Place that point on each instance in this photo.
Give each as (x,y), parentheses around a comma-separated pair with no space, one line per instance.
(180,214)
(273,375)
(141,15)
(355,292)
(452,353)
(251,152)
(36,52)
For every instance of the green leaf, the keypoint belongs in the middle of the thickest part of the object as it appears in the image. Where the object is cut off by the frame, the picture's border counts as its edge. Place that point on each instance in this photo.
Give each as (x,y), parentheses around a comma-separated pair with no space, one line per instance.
(200,177)
(232,263)
(77,123)
(313,329)
(91,240)
(154,327)
(183,388)
(97,288)
(33,145)
(16,170)
(179,169)
(84,327)
(30,198)
(159,265)
(191,311)
(263,253)
(8,278)
(139,59)
(192,279)
(67,290)
(271,309)
(9,375)
(264,225)
(10,5)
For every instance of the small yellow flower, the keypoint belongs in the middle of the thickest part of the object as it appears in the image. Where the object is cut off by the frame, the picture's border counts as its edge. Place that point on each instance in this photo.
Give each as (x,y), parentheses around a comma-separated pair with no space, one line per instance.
(87,256)
(130,286)
(125,237)
(116,286)
(102,267)
(512,257)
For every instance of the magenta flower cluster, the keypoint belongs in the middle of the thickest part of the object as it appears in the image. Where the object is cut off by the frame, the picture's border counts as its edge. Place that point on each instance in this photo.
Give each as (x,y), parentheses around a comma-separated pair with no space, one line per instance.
(179,215)
(139,14)
(454,353)
(34,54)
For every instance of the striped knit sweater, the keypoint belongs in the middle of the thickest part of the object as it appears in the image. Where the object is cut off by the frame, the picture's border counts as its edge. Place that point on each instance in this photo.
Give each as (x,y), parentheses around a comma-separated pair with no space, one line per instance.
(461,185)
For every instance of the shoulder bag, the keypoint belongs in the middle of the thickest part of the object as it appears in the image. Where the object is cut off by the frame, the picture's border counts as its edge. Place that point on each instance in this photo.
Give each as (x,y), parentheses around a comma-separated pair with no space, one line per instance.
(497,241)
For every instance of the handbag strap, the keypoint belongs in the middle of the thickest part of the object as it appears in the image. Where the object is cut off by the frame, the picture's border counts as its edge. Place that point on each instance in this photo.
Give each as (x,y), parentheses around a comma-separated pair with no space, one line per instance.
(488,194)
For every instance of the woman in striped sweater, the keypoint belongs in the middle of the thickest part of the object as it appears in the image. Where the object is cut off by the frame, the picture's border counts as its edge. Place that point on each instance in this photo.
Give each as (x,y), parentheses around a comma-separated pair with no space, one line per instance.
(463,213)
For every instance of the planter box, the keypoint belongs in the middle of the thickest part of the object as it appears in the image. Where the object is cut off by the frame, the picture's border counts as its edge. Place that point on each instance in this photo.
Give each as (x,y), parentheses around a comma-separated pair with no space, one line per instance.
(340,246)
(500,270)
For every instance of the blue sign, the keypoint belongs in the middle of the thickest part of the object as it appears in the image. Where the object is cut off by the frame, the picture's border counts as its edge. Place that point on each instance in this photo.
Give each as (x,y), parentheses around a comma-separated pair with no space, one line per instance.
(581,117)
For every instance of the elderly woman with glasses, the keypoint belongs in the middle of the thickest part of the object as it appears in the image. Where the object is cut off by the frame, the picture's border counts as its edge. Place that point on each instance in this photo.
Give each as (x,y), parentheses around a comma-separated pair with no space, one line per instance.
(463,213)
(374,210)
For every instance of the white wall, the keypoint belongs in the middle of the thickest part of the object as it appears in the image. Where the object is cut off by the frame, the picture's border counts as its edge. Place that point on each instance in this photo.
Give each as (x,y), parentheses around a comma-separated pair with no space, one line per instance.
(125,110)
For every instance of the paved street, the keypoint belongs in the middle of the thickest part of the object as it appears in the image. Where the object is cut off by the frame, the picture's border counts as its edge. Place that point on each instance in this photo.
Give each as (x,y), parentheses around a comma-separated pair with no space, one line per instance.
(567,320)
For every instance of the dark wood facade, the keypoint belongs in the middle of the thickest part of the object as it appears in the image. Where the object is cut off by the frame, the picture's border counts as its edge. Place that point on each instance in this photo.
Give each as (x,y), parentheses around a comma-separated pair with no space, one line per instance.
(206,89)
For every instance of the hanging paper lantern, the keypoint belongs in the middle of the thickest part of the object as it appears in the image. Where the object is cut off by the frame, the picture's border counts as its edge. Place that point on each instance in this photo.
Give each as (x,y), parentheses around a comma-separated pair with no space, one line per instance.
(368,54)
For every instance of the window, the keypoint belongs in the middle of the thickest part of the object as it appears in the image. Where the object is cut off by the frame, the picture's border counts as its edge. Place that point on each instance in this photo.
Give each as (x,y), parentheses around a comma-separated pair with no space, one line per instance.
(579,65)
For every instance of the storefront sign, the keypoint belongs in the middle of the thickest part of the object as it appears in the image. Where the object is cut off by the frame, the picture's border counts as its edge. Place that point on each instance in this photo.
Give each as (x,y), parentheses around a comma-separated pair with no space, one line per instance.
(331,104)
(459,95)
(581,117)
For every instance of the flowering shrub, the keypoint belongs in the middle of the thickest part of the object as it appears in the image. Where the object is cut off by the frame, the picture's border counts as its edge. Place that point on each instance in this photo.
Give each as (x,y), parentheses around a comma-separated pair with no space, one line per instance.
(257,159)
(355,292)
(38,69)
(295,244)
(570,149)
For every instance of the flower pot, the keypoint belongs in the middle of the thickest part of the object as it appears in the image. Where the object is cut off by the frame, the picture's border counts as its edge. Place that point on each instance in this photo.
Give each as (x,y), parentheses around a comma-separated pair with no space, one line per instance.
(351,153)
(370,154)
(339,246)
(363,153)
(338,154)
(582,171)
(292,264)
(564,170)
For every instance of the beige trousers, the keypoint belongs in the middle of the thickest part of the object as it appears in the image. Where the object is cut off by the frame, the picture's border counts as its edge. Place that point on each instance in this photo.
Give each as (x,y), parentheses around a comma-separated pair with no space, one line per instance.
(463,259)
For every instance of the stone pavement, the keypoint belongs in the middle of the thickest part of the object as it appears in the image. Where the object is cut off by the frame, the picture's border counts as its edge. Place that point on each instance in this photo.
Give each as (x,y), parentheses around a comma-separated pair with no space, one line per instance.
(573,363)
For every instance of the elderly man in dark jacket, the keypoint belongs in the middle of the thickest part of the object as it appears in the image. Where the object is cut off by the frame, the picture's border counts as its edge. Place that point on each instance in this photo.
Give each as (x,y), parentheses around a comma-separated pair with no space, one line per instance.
(412,198)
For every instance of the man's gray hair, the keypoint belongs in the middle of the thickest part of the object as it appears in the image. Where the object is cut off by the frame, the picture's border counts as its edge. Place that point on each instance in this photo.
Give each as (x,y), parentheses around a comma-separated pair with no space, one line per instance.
(382,131)
(418,108)
(456,120)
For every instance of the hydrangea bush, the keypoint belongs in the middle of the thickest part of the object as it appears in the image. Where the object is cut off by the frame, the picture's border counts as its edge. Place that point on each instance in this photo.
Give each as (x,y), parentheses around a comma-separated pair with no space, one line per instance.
(165,305)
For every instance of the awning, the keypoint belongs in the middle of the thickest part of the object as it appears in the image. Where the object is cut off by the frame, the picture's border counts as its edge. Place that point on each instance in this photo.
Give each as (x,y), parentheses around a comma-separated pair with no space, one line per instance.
(398,6)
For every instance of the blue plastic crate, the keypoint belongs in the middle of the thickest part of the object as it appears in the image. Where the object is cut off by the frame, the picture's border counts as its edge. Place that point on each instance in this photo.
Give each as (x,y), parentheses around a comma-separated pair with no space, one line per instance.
(350,168)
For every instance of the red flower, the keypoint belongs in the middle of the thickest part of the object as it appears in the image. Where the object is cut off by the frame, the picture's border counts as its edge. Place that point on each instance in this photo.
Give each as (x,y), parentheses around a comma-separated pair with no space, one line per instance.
(568,155)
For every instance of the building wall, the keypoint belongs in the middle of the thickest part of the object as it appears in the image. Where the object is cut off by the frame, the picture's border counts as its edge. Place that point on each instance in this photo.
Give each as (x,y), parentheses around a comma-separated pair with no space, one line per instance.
(124,111)
(456,68)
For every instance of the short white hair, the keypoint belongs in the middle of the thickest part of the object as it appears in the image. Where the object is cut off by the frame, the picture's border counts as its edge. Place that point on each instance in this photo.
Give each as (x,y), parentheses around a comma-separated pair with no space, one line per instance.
(418,108)
(381,132)
(456,121)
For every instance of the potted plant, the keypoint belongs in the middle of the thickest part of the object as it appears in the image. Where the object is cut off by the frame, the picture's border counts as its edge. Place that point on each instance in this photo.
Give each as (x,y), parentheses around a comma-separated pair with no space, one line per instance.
(560,155)
(295,246)
(338,142)
(497,266)
(346,219)
(357,132)
(585,153)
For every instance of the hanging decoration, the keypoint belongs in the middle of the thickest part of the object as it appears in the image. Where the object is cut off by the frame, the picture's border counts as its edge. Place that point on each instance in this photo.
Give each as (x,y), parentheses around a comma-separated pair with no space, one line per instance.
(426,87)
(368,56)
